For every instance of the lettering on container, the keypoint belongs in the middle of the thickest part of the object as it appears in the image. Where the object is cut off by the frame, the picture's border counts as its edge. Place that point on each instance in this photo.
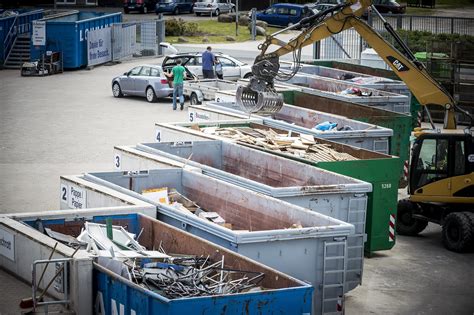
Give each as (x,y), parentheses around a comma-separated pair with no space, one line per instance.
(115,309)
(7,244)
(201,116)
(76,197)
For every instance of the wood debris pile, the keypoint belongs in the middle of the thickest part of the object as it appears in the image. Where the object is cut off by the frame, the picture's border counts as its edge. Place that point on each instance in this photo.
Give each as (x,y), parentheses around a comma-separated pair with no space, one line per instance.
(302,146)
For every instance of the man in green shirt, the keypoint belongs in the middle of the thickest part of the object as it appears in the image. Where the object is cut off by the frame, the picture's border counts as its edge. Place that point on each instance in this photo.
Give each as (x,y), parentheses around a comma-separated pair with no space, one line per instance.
(177,73)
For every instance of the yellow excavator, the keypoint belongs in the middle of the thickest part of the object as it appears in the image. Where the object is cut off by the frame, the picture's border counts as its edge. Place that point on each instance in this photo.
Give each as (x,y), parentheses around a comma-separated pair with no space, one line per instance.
(441,173)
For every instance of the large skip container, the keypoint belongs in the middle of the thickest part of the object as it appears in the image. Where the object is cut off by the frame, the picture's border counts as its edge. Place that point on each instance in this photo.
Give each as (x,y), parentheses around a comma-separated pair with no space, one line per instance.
(68,35)
(381,170)
(399,123)
(325,192)
(333,88)
(314,252)
(371,71)
(302,120)
(357,79)
(283,295)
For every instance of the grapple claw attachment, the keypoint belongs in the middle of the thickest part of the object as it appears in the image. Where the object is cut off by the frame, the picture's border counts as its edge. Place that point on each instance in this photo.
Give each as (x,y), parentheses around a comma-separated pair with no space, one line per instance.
(261,102)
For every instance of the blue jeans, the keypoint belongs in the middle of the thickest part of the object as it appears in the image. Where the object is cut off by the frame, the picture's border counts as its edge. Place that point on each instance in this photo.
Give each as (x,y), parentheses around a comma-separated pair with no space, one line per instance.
(178,89)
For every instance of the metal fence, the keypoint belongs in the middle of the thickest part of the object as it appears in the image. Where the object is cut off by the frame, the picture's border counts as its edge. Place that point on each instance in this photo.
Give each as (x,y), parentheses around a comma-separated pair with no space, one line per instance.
(137,39)
(349,44)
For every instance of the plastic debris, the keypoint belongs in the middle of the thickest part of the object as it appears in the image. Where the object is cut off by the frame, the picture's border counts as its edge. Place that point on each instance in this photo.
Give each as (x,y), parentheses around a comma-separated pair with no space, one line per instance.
(325,126)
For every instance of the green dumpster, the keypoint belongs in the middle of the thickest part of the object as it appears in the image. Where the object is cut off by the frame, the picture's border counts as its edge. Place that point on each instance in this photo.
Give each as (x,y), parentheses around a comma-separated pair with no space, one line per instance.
(381,170)
(399,123)
(414,104)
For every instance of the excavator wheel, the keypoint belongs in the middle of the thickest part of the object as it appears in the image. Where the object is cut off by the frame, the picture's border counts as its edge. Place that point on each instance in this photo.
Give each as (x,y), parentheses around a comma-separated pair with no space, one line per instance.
(458,232)
(406,223)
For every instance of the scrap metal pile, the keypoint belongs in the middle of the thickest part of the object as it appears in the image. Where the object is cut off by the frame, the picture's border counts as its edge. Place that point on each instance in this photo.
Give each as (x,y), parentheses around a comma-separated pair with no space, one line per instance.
(192,276)
(170,275)
(302,146)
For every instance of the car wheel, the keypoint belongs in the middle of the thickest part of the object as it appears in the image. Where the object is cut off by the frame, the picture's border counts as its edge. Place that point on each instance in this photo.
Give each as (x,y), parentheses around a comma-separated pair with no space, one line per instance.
(216,13)
(457,232)
(150,95)
(193,100)
(248,75)
(198,13)
(116,90)
(406,223)
(232,10)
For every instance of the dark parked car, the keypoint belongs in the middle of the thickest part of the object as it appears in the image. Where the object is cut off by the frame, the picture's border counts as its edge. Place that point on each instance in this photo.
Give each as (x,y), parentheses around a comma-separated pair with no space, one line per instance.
(284,14)
(389,6)
(142,6)
(174,6)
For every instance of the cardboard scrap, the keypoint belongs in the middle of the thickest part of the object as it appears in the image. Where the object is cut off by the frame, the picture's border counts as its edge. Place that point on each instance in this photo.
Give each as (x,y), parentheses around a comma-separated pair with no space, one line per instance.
(157,194)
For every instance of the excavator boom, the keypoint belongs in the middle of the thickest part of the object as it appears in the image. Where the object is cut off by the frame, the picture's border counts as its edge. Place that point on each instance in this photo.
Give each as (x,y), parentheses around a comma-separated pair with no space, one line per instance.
(259,96)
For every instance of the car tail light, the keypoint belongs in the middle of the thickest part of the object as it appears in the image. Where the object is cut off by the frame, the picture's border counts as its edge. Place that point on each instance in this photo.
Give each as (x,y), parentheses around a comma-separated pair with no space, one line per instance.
(164,81)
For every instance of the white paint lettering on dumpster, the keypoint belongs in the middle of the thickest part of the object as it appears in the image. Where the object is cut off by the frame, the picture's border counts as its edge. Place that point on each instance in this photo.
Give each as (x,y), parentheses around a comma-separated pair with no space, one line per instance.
(38,37)
(99,46)
(76,197)
(7,244)
(100,306)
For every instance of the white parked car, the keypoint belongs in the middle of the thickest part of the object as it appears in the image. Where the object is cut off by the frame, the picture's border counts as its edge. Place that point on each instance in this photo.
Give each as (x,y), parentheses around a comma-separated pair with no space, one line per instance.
(233,69)
(214,7)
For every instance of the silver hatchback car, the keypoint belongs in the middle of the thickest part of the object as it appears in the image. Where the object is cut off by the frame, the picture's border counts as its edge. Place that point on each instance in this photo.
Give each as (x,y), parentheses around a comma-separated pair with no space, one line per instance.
(213,7)
(146,81)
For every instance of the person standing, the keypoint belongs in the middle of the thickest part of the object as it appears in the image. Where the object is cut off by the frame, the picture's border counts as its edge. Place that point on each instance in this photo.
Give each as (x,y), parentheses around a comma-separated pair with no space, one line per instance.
(177,73)
(208,59)
(219,70)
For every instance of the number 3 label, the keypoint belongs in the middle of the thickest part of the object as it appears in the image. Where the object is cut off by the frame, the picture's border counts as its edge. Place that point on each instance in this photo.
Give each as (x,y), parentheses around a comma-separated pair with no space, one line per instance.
(117,162)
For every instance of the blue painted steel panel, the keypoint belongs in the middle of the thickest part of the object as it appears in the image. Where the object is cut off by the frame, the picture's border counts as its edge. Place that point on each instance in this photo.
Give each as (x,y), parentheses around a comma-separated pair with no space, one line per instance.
(114,293)
(68,34)
(23,25)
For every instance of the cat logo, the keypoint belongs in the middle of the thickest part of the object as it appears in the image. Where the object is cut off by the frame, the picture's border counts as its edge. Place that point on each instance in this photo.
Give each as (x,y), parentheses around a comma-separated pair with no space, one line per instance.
(399,66)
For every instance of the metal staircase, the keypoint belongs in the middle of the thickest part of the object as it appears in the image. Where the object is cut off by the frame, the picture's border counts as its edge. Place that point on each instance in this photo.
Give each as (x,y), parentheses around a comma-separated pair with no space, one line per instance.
(19,53)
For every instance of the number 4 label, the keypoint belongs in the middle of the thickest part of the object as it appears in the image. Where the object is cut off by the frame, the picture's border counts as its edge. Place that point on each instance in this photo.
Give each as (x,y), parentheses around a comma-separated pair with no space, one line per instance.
(158,135)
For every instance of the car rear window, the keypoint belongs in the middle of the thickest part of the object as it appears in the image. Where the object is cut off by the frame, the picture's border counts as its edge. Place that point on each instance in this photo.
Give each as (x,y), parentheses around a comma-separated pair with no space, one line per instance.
(155,72)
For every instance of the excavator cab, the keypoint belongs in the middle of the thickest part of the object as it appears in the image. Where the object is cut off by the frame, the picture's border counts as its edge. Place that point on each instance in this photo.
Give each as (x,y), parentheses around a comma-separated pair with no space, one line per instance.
(437,159)
(441,188)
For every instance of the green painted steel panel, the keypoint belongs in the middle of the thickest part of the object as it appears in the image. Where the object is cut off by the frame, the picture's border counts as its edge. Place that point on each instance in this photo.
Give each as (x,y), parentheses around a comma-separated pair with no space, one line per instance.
(399,123)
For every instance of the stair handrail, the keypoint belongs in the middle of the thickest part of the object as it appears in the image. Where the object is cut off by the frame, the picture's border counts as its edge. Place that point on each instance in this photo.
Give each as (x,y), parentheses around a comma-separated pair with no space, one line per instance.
(8,40)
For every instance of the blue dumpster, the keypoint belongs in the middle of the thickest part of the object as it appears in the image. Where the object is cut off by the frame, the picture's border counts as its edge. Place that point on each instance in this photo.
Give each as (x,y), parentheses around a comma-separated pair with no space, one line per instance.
(68,35)
(282,294)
